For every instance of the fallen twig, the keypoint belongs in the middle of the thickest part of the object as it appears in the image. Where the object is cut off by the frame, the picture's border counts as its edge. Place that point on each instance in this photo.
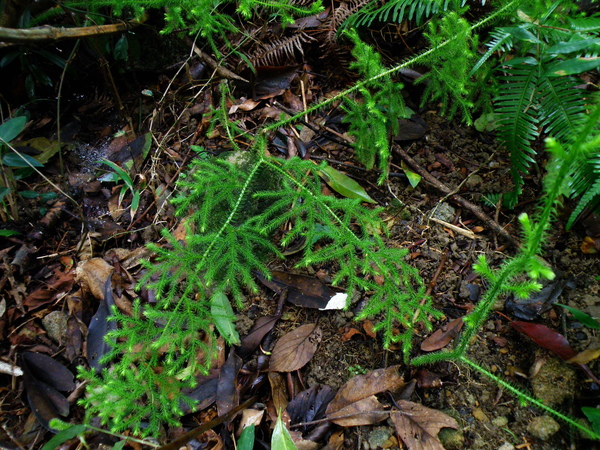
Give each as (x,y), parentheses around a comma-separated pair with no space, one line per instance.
(491,223)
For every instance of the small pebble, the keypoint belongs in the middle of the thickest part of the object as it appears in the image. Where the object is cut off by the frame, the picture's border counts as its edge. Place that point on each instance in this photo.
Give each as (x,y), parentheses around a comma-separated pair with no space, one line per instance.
(55,324)
(451,439)
(543,427)
(500,421)
(506,446)
(480,415)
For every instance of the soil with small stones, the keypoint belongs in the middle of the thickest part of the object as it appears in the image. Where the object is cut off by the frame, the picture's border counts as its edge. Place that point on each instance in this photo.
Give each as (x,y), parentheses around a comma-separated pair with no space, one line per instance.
(489,417)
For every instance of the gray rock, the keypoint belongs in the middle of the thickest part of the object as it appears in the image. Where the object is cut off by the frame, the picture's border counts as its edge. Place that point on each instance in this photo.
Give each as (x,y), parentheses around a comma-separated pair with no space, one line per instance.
(543,427)
(506,446)
(500,421)
(55,324)
(444,212)
(451,439)
(378,436)
(554,383)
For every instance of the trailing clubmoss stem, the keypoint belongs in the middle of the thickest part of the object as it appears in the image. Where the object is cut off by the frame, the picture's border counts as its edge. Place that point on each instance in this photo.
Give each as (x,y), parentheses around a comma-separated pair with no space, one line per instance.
(404,65)
(527,398)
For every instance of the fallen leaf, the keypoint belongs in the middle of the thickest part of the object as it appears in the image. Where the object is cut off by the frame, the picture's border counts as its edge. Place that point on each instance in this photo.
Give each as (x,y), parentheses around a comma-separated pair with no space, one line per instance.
(227,395)
(546,338)
(205,393)
(443,336)
(45,402)
(50,371)
(251,342)
(538,302)
(310,405)
(427,379)
(369,329)
(553,341)
(92,275)
(348,334)
(281,439)
(279,393)
(365,411)
(293,350)
(357,397)
(96,346)
(61,283)
(585,356)
(344,185)
(305,291)
(250,417)
(419,426)
(272,81)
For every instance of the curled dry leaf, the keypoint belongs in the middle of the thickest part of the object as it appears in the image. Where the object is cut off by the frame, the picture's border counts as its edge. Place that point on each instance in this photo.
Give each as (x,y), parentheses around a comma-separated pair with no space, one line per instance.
(92,275)
(355,402)
(254,337)
(99,327)
(418,425)
(293,350)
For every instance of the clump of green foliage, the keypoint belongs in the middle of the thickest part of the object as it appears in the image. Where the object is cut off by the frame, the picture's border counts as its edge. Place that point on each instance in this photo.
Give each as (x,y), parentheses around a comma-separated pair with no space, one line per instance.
(373,117)
(212,20)
(232,211)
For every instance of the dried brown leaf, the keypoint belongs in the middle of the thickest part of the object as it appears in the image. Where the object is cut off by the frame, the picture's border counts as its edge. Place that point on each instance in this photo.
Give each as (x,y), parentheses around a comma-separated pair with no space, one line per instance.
(279,392)
(366,411)
(356,397)
(585,356)
(418,426)
(443,336)
(92,275)
(293,350)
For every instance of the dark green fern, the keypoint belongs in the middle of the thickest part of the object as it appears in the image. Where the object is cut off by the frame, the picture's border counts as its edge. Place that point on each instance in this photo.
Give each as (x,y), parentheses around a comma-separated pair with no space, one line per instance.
(395,11)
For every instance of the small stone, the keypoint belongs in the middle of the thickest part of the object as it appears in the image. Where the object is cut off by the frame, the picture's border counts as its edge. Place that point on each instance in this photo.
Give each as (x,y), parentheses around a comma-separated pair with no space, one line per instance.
(543,427)
(500,421)
(480,415)
(55,324)
(554,383)
(444,212)
(451,439)
(474,181)
(378,436)
(506,446)
(470,398)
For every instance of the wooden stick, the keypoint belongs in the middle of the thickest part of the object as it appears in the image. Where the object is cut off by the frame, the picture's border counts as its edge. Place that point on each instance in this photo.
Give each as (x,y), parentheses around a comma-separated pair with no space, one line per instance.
(491,223)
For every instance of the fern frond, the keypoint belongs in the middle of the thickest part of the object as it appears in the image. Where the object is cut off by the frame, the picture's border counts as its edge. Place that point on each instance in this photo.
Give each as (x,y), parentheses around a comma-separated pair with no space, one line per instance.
(339,16)
(585,24)
(501,40)
(585,182)
(516,115)
(396,11)
(562,107)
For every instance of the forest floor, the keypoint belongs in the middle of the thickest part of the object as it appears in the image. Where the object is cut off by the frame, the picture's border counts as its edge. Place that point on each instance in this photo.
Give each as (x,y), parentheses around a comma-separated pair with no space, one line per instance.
(54,271)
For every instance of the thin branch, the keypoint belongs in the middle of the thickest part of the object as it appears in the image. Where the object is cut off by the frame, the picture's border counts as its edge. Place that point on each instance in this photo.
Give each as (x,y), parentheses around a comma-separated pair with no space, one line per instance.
(457,198)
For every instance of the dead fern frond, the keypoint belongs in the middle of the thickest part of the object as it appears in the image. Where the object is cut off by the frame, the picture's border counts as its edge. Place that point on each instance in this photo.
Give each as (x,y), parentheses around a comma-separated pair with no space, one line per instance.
(282,49)
(340,14)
